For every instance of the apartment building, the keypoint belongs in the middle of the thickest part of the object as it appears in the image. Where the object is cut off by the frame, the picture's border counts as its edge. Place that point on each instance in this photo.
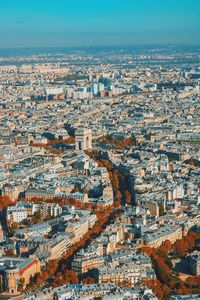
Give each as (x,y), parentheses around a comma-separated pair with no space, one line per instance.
(129,273)
(86,260)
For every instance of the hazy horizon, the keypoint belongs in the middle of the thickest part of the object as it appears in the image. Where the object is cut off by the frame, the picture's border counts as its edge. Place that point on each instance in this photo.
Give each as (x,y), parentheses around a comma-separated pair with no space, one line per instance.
(78,23)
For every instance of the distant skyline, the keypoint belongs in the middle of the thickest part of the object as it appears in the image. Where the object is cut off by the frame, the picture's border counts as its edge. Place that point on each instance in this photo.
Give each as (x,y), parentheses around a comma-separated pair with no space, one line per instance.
(77,23)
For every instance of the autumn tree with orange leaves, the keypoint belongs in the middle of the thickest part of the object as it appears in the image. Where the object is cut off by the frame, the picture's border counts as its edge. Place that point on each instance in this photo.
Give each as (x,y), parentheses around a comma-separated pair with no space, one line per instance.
(168,281)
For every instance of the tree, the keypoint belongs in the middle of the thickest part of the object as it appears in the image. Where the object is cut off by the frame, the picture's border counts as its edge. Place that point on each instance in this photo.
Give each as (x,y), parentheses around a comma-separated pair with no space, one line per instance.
(156,287)
(10,252)
(21,284)
(180,248)
(70,276)
(161,269)
(115,182)
(148,250)
(14,226)
(118,195)
(164,249)
(76,189)
(5,201)
(36,217)
(190,241)
(38,280)
(161,209)
(58,274)
(117,204)
(128,197)
(100,164)
(193,282)
(193,234)
(88,280)
(168,279)
(168,245)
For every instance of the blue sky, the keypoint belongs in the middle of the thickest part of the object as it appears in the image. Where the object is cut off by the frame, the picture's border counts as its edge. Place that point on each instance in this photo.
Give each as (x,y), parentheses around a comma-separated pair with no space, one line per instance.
(44,23)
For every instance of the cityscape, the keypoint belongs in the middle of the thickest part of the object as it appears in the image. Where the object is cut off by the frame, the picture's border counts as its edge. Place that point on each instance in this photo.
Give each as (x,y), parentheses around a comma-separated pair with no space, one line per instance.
(100,171)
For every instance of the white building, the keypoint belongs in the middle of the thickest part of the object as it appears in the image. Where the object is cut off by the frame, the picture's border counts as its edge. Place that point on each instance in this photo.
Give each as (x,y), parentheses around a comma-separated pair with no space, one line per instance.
(83,139)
